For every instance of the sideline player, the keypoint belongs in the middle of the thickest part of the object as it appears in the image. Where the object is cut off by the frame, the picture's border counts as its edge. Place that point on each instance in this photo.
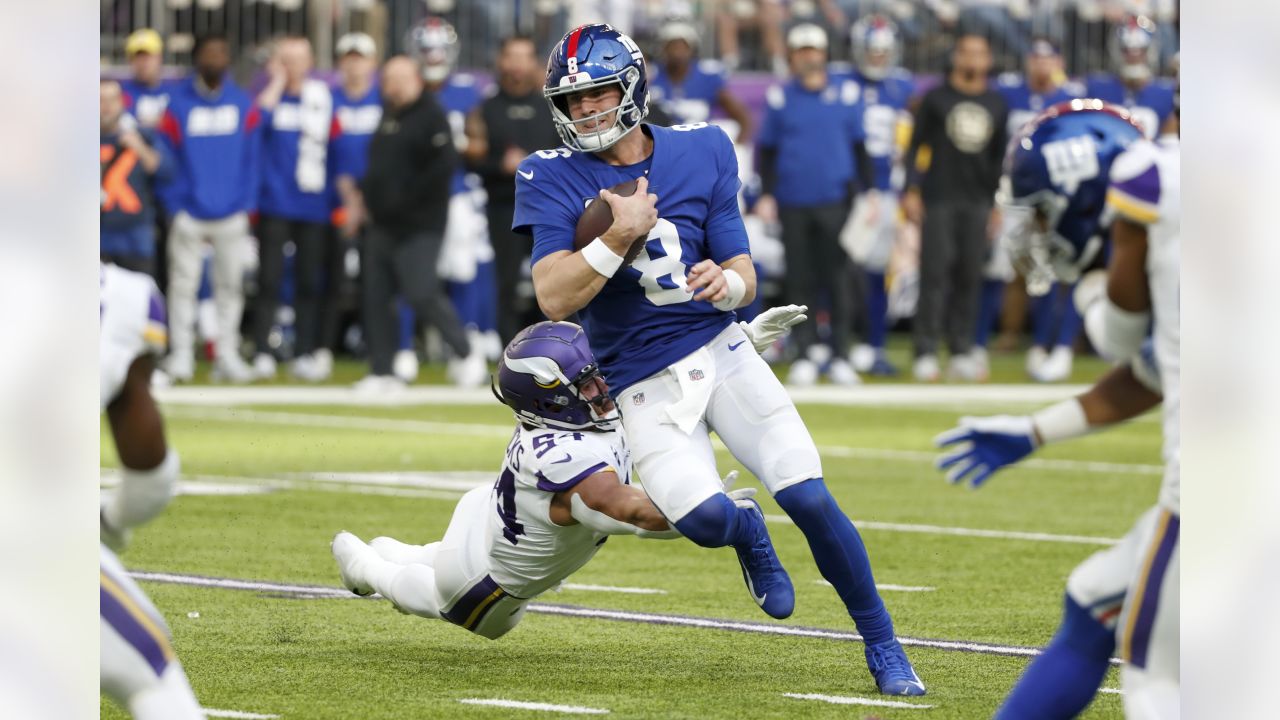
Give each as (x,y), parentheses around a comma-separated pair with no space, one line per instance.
(565,487)
(663,326)
(1127,594)
(138,667)
(872,227)
(1135,52)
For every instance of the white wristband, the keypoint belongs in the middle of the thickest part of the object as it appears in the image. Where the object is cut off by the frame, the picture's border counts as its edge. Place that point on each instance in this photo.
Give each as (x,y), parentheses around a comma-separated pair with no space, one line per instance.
(600,257)
(1063,421)
(735,290)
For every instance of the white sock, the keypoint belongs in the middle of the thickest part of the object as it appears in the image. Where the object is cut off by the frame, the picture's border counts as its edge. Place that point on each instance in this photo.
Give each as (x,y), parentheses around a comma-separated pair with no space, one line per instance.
(389,548)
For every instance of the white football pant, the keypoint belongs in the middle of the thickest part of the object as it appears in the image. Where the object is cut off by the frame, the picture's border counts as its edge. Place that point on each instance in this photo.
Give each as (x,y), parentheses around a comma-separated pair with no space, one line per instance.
(229,237)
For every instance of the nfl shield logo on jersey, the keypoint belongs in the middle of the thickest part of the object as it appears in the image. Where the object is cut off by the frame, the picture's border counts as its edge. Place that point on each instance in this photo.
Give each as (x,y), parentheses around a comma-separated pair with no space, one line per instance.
(695,374)
(637,399)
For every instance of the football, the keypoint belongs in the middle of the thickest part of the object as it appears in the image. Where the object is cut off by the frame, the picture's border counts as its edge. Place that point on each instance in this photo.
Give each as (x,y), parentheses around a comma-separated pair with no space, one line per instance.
(598,216)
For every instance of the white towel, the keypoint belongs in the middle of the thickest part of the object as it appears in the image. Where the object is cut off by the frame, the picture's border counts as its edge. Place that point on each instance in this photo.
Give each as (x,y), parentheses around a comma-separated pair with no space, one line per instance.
(315,119)
(696,375)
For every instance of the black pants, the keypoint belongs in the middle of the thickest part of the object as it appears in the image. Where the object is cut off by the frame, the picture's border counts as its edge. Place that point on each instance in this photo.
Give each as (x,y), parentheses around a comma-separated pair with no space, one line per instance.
(953,249)
(511,252)
(339,290)
(404,263)
(310,240)
(818,269)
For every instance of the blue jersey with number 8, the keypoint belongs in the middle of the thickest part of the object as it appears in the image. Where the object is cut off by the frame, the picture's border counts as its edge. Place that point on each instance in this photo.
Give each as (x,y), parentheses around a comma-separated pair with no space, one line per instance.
(644,319)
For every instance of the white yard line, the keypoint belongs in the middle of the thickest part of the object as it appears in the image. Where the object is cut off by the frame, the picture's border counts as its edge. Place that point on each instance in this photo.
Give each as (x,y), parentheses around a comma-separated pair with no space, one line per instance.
(605,614)
(888,395)
(889,586)
(847,700)
(216,713)
(965,532)
(427,427)
(544,707)
(613,589)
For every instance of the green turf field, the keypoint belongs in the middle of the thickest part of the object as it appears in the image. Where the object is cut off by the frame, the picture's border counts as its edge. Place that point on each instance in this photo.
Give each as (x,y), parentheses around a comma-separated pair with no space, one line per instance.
(271,653)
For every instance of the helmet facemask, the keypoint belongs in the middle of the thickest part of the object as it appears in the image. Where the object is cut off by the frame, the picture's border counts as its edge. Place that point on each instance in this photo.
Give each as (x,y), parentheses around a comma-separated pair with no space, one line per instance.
(621,119)
(1040,254)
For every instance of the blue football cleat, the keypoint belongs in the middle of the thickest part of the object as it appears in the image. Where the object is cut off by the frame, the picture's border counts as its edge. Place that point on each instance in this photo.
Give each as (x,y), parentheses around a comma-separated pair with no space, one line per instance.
(892,670)
(881,367)
(767,581)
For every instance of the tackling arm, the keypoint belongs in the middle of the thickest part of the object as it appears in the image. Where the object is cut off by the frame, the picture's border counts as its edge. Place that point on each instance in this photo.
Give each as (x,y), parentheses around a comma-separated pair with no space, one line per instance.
(607,506)
(1119,322)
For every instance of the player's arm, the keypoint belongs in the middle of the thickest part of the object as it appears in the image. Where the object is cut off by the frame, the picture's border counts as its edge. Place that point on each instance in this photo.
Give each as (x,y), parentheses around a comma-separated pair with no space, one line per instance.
(1118,322)
(729,285)
(150,472)
(477,149)
(605,505)
(564,282)
(986,444)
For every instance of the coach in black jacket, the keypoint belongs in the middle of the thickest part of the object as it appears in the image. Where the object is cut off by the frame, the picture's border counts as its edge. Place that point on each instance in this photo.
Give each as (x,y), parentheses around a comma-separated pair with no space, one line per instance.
(406,191)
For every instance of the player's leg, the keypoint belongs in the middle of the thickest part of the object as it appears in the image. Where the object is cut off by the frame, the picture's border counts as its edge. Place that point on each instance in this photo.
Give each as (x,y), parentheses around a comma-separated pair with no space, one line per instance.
(1149,634)
(416,258)
(936,253)
(309,274)
(272,234)
(679,474)
(1061,681)
(230,237)
(970,237)
(403,553)
(184,280)
(138,667)
(754,416)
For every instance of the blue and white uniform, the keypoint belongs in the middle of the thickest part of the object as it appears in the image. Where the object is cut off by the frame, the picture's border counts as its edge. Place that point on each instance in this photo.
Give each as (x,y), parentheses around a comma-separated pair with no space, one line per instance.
(1150,105)
(676,367)
(692,99)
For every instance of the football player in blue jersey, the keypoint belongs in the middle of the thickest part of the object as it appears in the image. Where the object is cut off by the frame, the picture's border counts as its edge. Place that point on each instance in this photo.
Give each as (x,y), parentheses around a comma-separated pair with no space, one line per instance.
(1135,53)
(663,330)
(1043,84)
(686,87)
(872,227)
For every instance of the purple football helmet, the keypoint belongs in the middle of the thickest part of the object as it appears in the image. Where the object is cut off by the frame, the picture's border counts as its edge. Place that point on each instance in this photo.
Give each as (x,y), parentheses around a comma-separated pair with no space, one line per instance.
(550,378)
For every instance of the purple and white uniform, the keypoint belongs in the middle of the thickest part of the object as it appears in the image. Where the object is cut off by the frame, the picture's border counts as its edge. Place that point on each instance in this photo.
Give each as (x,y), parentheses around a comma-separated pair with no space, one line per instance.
(133,324)
(1133,586)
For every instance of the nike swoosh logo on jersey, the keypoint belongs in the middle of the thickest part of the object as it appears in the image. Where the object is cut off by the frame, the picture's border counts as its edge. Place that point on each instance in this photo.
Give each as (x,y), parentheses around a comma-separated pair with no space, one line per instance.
(526,175)
(567,458)
(735,346)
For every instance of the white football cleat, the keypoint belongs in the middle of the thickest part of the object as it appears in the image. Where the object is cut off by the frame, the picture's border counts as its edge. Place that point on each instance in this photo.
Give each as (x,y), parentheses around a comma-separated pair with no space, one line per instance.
(981,363)
(1035,358)
(1057,367)
(305,368)
(378,385)
(926,369)
(231,369)
(842,373)
(180,367)
(324,362)
(350,552)
(803,373)
(862,357)
(264,366)
(405,365)
(469,372)
(963,368)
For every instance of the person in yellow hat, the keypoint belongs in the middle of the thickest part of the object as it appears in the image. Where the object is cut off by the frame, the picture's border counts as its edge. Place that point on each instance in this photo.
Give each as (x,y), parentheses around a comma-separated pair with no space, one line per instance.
(147,92)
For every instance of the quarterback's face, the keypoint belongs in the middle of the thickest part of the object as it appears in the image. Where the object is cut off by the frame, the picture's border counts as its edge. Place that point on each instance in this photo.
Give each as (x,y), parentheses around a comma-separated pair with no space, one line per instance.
(593,102)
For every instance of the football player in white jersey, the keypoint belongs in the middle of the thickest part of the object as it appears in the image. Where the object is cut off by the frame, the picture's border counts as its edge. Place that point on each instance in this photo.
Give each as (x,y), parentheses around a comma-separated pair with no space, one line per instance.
(138,667)
(1127,595)
(565,487)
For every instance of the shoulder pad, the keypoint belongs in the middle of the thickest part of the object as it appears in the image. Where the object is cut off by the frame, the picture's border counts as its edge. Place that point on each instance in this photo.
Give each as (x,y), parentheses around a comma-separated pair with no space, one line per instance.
(1134,192)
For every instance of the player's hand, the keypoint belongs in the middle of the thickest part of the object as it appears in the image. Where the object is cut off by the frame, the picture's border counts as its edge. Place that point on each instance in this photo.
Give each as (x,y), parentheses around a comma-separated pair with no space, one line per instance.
(913,207)
(740,497)
(708,276)
(766,208)
(511,159)
(633,216)
(984,445)
(773,324)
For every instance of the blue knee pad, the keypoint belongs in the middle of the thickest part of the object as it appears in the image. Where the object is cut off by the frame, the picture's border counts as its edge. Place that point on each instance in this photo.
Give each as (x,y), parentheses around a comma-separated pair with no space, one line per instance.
(717,522)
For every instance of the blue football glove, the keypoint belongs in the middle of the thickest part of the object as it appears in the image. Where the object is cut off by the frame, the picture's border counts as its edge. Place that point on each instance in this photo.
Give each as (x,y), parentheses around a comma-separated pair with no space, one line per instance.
(985,444)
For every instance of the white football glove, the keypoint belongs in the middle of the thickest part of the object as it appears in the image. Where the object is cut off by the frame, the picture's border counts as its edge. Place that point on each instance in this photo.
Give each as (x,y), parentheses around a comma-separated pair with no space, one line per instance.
(773,324)
(740,497)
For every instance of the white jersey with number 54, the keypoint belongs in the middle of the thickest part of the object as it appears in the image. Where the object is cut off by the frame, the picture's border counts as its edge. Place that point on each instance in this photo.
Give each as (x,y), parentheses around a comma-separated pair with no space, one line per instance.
(529,554)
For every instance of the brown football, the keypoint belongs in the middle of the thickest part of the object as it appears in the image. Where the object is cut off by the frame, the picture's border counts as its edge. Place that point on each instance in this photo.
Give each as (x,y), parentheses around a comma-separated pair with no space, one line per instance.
(598,217)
